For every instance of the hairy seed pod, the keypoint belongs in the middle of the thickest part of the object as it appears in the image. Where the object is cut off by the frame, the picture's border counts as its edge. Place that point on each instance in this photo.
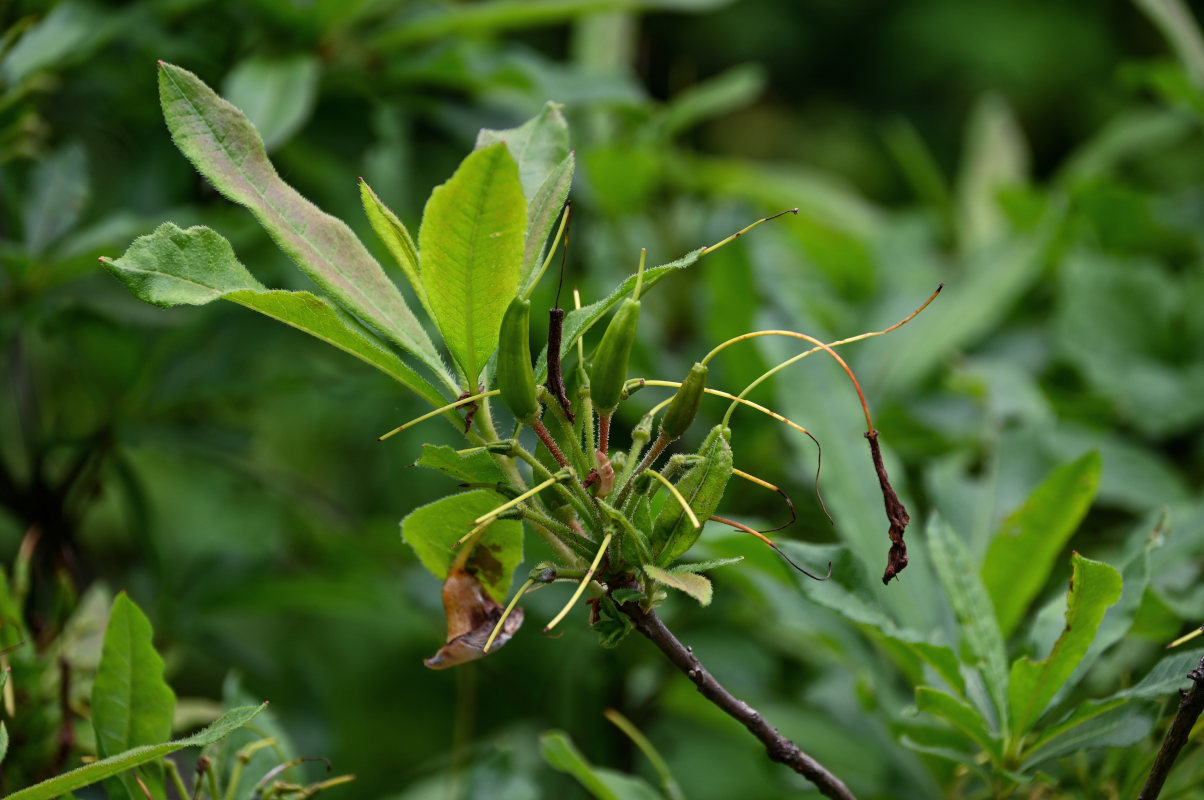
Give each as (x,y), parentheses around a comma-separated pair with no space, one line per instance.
(681,412)
(673,533)
(609,372)
(515,377)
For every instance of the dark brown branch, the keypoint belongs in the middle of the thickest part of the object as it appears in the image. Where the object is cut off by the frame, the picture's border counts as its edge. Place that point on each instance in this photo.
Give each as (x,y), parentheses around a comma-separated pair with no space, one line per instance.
(1191,703)
(777,746)
(896,514)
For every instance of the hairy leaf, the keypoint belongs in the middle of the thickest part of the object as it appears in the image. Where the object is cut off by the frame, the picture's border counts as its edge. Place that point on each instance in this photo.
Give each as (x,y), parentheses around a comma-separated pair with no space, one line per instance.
(471,251)
(1022,553)
(433,529)
(132,705)
(226,149)
(195,266)
(1093,587)
(693,584)
(396,238)
(478,467)
(542,212)
(108,767)
(537,146)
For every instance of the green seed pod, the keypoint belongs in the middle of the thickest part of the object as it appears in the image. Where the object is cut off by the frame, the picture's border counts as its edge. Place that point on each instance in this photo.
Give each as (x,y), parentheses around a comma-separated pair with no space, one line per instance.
(515,377)
(681,412)
(609,372)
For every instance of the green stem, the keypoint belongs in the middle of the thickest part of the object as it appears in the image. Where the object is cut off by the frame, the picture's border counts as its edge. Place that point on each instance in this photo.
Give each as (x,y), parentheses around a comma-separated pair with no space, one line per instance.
(564,541)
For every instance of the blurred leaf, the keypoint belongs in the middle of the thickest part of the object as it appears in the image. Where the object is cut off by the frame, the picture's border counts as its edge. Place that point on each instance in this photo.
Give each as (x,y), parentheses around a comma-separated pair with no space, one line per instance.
(476,467)
(847,592)
(71,32)
(171,267)
(114,765)
(1119,727)
(219,141)
(277,95)
(1094,586)
(59,193)
(604,784)
(132,705)
(697,586)
(1167,675)
(471,249)
(963,717)
(432,530)
(713,97)
(580,320)
(537,146)
(266,726)
(975,614)
(397,240)
(996,158)
(1129,136)
(1182,31)
(1022,553)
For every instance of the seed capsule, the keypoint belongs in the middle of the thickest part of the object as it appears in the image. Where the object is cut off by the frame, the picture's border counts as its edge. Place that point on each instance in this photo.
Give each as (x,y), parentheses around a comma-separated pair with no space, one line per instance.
(515,377)
(609,372)
(681,412)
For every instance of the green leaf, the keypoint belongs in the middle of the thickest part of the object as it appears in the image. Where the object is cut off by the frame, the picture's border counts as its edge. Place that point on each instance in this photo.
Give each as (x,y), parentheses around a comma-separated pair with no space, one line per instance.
(396,238)
(477,467)
(673,533)
(132,705)
(108,767)
(537,146)
(276,94)
(975,615)
(542,212)
(57,196)
(195,266)
(1117,727)
(559,751)
(433,529)
(471,250)
(1022,553)
(1093,587)
(226,149)
(3,742)
(706,566)
(713,97)
(691,583)
(996,158)
(847,593)
(1167,675)
(580,320)
(963,717)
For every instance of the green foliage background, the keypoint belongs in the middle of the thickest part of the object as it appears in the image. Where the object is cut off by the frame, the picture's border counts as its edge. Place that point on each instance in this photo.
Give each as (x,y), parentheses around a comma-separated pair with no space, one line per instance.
(1044,160)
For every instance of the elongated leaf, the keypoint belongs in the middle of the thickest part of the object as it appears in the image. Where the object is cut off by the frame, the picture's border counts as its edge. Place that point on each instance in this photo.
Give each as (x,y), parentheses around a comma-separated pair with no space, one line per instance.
(1118,727)
(580,320)
(108,767)
(58,195)
(226,149)
(975,614)
(195,266)
(277,95)
(1094,586)
(478,467)
(132,705)
(1167,675)
(691,583)
(1022,553)
(542,212)
(847,593)
(537,146)
(433,530)
(604,784)
(396,238)
(471,252)
(963,717)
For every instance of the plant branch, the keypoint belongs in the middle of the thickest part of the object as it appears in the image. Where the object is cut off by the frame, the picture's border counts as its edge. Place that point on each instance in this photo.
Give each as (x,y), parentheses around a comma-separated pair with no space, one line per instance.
(777,746)
(1191,703)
